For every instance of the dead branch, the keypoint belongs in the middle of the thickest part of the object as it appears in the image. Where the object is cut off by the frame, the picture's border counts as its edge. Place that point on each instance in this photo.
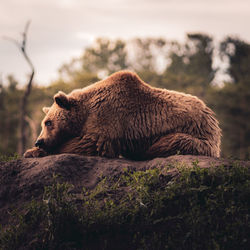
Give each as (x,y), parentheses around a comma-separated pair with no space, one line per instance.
(23,111)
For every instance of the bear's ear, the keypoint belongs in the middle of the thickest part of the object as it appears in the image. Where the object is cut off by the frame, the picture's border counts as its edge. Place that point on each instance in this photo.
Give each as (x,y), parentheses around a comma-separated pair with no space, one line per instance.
(46,110)
(62,100)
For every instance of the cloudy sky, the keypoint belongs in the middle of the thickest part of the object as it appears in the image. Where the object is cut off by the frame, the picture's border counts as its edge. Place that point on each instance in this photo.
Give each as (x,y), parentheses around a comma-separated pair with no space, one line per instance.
(60,29)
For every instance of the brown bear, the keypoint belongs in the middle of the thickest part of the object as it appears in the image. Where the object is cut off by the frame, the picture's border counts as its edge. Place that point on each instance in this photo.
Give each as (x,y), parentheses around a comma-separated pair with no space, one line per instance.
(124,116)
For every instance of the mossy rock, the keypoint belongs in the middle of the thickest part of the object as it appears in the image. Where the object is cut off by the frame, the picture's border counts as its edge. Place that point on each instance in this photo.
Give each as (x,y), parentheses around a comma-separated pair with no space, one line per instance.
(176,206)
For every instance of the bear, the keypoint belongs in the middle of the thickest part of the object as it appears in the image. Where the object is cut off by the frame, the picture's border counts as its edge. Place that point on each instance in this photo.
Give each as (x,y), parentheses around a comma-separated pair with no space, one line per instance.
(122,116)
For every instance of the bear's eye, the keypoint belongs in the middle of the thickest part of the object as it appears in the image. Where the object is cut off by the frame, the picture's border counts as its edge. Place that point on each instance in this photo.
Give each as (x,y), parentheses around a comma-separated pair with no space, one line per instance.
(48,123)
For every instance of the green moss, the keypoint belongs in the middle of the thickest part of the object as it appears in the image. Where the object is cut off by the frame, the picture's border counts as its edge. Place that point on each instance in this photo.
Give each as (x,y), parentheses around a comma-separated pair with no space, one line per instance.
(201,208)
(6,158)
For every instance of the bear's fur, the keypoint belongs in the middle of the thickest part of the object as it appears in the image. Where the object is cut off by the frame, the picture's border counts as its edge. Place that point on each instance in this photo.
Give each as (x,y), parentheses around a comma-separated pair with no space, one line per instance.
(124,116)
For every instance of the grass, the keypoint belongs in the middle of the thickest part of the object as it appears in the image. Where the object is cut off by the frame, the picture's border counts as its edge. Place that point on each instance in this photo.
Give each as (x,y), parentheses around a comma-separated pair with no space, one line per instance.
(6,158)
(201,209)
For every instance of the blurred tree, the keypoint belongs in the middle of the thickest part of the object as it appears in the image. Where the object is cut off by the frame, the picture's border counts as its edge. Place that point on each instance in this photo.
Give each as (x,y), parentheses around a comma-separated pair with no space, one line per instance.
(237,53)
(232,102)
(10,97)
(105,57)
(200,57)
(232,105)
(144,54)
(191,67)
(72,80)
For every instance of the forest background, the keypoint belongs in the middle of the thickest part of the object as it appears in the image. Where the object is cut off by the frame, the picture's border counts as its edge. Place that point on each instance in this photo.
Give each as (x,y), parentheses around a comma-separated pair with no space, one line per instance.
(219,74)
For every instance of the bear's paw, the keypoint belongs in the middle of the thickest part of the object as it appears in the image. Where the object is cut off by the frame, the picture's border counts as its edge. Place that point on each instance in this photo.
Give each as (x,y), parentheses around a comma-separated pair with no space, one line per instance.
(35,152)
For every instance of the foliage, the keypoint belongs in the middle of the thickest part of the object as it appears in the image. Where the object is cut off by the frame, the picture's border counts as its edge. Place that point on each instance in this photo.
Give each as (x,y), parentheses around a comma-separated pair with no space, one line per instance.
(201,209)
(194,57)
(105,55)
(232,101)
(10,97)
(237,53)
(191,65)
(5,158)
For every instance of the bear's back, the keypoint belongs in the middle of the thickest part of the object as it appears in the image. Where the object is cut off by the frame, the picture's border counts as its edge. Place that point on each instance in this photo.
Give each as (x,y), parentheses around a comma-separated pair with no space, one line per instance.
(124,110)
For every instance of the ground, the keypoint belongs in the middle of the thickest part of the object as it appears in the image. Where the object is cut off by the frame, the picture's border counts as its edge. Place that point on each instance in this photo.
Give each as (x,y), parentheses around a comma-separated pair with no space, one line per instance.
(180,202)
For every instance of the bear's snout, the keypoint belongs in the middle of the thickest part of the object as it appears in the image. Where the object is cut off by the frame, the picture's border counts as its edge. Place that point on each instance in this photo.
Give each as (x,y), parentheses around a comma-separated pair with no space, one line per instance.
(39,143)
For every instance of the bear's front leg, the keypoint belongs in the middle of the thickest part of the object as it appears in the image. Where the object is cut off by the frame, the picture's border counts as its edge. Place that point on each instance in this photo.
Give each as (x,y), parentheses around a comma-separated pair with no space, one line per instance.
(35,152)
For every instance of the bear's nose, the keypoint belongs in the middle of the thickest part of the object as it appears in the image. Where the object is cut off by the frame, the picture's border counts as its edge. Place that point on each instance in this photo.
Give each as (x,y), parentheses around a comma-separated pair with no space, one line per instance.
(39,143)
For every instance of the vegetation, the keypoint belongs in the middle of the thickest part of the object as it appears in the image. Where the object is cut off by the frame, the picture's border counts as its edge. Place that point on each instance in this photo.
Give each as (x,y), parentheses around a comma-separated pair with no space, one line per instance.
(199,209)
(189,67)
(5,158)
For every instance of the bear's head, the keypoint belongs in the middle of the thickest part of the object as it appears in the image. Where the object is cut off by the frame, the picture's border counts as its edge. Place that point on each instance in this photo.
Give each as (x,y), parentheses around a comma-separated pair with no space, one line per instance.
(63,121)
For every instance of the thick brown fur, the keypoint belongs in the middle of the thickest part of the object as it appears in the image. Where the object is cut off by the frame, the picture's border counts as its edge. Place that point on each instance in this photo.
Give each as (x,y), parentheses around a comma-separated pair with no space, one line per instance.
(124,116)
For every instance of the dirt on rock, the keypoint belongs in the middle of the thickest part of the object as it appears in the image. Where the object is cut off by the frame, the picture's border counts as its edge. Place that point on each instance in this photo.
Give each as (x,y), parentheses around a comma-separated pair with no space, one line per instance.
(24,179)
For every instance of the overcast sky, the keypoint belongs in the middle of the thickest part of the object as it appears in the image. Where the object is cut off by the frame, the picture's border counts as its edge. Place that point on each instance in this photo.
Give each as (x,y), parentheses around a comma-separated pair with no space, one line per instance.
(60,29)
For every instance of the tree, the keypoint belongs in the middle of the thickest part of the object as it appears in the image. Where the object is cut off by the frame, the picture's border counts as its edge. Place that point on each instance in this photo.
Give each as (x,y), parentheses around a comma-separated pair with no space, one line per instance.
(191,67)
(10,97)
(231,104)
(233,100)
(105,56)
(237,53)
(144,54)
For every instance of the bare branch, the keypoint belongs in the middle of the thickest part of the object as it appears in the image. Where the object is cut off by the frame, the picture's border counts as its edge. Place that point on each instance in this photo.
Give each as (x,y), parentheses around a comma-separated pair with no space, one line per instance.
(11,40)
(24,34)
(22,47)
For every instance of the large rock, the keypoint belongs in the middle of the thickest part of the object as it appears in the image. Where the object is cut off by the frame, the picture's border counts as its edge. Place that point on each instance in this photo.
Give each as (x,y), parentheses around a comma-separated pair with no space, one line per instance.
(24,179)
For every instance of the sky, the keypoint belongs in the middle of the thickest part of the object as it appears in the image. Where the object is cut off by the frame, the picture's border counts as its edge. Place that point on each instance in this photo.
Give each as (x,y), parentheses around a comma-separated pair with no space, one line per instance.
(61,29)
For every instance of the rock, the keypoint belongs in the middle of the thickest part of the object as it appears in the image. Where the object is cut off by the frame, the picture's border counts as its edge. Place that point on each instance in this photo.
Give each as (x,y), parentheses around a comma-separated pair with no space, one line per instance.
(24,179)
